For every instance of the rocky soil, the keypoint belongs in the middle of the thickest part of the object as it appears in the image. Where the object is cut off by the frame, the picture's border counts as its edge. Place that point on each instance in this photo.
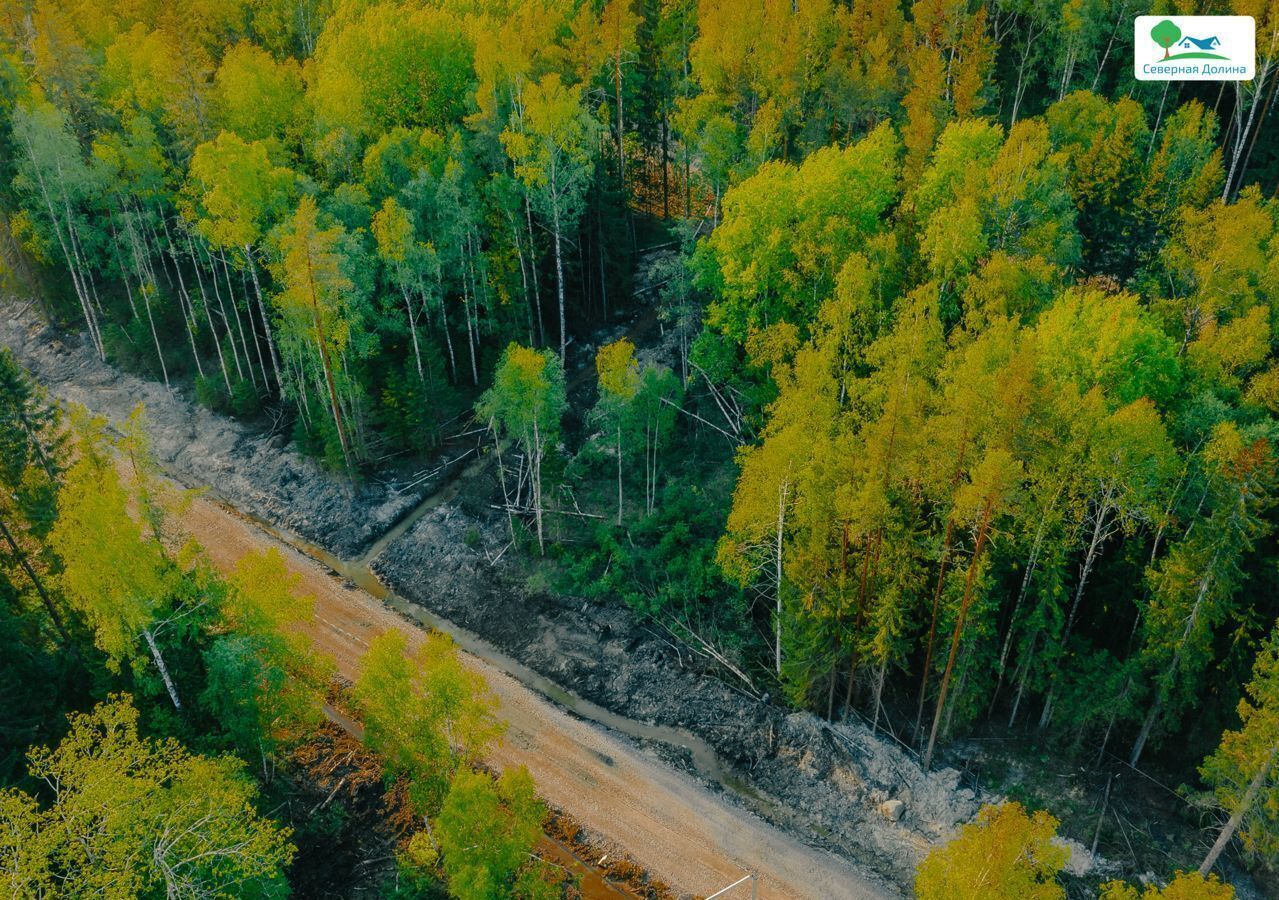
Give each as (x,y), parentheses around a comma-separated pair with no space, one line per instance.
(256,472)
(832,785)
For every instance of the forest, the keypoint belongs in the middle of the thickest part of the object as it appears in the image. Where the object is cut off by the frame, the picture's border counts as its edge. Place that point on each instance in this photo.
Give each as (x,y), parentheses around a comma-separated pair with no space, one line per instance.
(913,359)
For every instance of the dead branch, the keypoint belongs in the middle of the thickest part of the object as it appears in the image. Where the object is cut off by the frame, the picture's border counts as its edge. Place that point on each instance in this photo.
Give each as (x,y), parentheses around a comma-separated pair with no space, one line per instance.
(707,649)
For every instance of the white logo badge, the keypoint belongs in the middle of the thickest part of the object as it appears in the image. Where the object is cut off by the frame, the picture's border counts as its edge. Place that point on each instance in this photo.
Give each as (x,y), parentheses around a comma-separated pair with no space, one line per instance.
(1194,48)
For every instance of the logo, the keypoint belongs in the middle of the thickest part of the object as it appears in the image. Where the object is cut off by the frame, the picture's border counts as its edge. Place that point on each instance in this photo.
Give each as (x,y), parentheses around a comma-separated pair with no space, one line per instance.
(1194,48)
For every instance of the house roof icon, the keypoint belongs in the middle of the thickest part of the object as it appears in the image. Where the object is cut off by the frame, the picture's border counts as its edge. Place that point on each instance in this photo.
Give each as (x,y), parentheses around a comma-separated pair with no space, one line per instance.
(1190,43)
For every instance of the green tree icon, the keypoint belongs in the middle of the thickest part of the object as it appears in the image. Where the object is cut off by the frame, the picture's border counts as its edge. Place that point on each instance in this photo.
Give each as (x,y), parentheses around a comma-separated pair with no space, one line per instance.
(1165,34)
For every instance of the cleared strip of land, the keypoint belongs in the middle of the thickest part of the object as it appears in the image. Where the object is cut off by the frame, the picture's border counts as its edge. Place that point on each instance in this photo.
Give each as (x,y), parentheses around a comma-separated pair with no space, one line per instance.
(678,830)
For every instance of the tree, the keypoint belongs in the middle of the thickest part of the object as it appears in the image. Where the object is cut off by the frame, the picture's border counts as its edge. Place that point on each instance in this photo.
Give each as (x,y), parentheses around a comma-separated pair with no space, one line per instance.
(116,577)
(53,171)
(312,306)
(1165,34)
(1266,16)
(609,45)
(993,482)
(1184,886)
(239,195)
(526,403)
(257,97)
(32,452)
(266,684)
(1004,854)
(393,230)
(551,141)
(129,817)
(925,105)
(659,398)
(461,264)
(1103,147)
(1194,586)
(618,383)
(1243,773)
(753,549)
(427,714)
(487,829)
(383,65)
(163,74)
(788,230)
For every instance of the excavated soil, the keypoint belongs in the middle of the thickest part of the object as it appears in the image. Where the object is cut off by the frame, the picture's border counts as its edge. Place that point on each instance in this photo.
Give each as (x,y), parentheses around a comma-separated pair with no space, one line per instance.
(239,463)
(823,784)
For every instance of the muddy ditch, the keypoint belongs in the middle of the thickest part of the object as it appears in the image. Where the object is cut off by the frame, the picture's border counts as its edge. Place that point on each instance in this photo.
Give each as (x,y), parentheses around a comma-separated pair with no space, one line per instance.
(824,783)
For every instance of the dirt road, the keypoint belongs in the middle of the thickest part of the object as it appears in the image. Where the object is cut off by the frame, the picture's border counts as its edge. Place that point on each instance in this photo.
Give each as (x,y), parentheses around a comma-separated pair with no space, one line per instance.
(689,837)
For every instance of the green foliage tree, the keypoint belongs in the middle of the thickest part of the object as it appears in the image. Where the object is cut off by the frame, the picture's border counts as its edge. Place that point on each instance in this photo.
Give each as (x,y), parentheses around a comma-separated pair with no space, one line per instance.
(385,65)
(1194,586)
(314,312)
(487,829)
(265,683)
(239,195)
(1165,34)
(526,403)
(1243,771)
(129,816)
(32,449)
(618,384)
(427,714)
(787,229)
(635,403)
(552,144)
(257,97)
(53,173)
(114,575)
(1005,853)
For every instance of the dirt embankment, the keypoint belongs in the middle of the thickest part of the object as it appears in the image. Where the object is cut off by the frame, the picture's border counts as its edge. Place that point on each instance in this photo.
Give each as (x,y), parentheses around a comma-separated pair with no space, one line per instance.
(252,471)
(823,784)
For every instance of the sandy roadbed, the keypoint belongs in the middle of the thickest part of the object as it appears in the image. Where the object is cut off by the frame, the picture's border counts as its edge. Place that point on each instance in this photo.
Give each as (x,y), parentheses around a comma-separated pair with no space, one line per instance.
(684,834)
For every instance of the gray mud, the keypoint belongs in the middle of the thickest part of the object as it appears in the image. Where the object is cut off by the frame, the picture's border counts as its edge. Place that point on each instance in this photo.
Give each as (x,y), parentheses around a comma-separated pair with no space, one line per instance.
(825,783)
(253,471)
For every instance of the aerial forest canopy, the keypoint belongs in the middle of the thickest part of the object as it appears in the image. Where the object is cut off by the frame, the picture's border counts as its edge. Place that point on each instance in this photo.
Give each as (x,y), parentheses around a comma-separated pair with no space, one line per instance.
(965,406)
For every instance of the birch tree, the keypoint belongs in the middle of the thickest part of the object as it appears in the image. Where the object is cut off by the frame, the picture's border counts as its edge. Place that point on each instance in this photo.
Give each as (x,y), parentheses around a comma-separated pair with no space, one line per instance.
(312,307)
(426,713)
(978,503)
(32,455)
(239,195)
(551,141)
(1243,773)
(129,816)
(266,683)
(1194,587)
(52,170)
(113,574)
(618,375)
(525,404)
(394,232)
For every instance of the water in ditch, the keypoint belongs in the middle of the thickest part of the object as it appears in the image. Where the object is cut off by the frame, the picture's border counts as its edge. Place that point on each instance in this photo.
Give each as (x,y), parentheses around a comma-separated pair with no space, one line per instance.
(360,573)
